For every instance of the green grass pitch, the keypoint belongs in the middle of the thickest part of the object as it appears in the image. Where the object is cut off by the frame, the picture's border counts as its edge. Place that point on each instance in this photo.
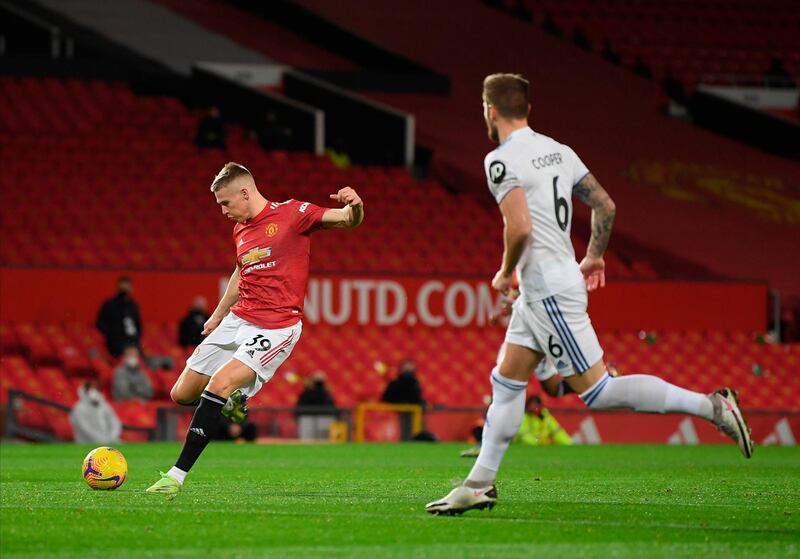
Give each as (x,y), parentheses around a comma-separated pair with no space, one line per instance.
(367,501)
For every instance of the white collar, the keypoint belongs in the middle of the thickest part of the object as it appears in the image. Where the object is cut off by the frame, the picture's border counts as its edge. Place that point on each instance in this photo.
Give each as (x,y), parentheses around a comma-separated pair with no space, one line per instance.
(518,132)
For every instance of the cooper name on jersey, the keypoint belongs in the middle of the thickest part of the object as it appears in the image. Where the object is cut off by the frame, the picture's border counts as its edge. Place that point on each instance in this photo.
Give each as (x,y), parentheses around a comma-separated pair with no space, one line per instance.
(546,160)
(497,169)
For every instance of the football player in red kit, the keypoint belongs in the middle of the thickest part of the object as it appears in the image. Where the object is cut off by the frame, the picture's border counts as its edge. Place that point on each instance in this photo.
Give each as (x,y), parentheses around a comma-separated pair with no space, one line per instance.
(259,319)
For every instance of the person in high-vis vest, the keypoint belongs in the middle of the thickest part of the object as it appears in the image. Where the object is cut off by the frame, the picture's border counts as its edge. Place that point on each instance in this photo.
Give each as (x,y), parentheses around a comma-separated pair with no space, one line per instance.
(539,426)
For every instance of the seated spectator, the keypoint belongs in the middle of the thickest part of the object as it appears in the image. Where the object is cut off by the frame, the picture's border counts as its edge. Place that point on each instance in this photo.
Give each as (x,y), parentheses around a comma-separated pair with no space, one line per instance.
(337,153)
(130,382)
(405,389)
(245,432)
(211,131)
(539,426)
(118,319)
(777,75)
(190,330)
(272,135)
(92,417)
(315,423)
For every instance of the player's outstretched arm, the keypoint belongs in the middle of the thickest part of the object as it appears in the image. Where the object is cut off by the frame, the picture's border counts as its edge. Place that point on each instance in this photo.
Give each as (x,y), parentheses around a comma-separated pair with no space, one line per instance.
(351,215)
(589,191)
(228,299)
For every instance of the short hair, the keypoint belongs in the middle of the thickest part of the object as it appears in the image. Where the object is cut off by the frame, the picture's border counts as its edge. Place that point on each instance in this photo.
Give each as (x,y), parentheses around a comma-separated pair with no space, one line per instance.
(534,399)
(508,93)
(229,173)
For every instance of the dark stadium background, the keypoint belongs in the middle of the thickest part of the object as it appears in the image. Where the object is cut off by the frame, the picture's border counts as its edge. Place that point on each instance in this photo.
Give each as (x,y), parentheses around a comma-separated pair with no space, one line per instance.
(687,112)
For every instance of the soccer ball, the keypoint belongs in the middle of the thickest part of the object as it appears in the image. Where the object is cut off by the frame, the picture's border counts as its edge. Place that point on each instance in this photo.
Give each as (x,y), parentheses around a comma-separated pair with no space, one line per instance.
(105,468)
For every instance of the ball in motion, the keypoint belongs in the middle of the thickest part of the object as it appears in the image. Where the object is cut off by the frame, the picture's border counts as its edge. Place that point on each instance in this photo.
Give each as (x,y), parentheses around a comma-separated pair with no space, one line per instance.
(105,468)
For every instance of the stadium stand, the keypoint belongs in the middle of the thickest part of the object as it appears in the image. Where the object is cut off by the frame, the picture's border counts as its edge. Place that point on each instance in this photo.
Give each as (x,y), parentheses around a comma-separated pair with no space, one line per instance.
(736,204)
(80,144)
(94,136)
(691,40)
(104,157)
(263,36)
(449,360)
(657,168)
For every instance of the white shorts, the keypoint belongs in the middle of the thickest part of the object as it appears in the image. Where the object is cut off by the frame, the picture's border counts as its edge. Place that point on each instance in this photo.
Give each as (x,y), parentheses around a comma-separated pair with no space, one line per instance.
(260,349)
(543,371)
(559,327)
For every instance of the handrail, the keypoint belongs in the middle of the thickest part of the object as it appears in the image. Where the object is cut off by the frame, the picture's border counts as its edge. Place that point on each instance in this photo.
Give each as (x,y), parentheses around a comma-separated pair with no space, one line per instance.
(36,20)
(747,80)
(13,428)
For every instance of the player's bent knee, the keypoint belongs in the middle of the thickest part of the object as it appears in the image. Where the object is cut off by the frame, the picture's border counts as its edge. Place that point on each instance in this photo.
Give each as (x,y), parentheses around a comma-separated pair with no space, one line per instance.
(596,395)
(179,398)
(230,377)
(221,386)
(188,387)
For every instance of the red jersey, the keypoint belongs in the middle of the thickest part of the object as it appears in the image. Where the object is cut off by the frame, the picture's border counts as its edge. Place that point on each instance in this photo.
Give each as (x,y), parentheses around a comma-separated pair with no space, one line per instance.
(272,250)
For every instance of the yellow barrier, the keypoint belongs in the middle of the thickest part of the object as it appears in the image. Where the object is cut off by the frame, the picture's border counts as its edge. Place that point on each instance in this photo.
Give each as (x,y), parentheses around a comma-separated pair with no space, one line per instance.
(338,432)
(358,420)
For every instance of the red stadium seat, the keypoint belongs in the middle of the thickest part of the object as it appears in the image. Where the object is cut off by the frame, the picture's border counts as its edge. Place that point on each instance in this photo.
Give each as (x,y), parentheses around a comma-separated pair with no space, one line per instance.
(454,364)
(691,41)
(131,231)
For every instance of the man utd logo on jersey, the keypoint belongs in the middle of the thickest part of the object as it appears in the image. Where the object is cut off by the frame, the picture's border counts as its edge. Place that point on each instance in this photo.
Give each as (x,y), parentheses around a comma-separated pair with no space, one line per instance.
(272,229)
(497,170)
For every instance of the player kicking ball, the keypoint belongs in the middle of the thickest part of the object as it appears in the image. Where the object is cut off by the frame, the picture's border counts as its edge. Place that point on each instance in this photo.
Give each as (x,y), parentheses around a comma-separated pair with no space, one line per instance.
(533,178)
(258,321)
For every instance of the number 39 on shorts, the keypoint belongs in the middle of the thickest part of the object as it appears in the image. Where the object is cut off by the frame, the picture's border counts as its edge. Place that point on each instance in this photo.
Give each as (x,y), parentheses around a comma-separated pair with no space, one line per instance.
(263,343)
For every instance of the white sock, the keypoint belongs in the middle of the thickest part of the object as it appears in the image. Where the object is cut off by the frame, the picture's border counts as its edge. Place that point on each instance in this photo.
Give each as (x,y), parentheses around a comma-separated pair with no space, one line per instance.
(646,393)
(177,474)
(502,423)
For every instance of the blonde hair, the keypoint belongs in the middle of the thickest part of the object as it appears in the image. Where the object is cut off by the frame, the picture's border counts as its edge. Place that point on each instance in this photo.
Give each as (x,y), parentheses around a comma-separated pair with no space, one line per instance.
(508,93)
(229,173)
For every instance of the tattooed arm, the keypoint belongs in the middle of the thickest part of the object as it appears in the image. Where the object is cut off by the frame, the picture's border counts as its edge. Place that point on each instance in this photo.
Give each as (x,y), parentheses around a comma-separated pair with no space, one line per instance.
(589,191)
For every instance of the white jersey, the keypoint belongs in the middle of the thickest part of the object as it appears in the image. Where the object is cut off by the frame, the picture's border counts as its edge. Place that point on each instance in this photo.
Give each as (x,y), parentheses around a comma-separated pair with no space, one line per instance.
(546,170)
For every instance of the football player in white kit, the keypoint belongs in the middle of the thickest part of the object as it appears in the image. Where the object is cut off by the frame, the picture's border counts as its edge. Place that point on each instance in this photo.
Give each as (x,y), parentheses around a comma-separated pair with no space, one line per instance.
(533,177)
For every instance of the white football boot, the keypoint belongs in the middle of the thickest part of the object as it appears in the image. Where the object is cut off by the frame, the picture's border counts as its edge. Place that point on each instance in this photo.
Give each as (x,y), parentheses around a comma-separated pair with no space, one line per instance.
(729,419)
(464,498)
